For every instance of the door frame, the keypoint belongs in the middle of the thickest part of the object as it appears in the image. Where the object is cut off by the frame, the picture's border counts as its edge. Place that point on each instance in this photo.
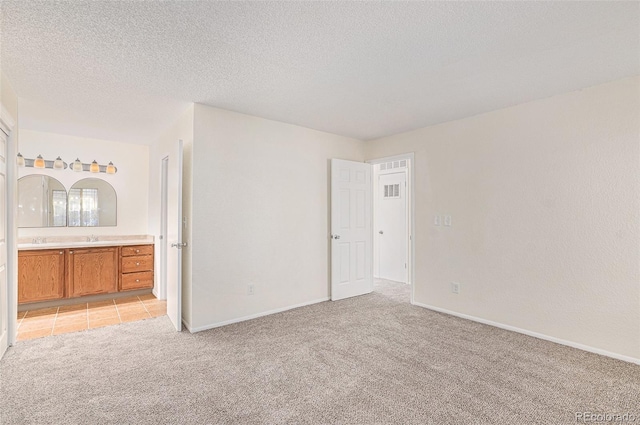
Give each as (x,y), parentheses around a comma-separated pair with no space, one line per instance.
(9,123)
(164,179)
(411,208)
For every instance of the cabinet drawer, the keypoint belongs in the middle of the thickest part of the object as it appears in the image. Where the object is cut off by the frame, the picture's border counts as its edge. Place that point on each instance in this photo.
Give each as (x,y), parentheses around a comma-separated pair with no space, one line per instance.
(141,263)
(140,280)
(128,251)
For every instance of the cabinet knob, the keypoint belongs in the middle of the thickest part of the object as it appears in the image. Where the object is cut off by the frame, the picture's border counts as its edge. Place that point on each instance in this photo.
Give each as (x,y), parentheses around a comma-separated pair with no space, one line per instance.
(61,252)
(70,252)
(137,264)
(137,280)
(137,250)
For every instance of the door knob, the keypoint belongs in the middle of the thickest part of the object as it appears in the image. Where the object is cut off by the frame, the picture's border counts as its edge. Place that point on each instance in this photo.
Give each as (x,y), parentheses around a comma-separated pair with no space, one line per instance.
(179,245)
(381,232)
(335,236)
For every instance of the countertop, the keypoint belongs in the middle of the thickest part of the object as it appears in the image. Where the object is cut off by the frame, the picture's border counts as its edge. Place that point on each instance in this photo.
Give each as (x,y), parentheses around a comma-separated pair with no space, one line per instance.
(62,242)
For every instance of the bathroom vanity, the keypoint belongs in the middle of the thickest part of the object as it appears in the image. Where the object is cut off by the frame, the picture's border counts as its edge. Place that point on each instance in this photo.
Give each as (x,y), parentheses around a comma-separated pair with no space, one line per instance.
(69,269)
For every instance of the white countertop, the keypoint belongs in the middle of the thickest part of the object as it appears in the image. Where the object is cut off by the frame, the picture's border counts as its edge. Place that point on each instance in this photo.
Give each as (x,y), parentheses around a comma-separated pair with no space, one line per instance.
(62,242)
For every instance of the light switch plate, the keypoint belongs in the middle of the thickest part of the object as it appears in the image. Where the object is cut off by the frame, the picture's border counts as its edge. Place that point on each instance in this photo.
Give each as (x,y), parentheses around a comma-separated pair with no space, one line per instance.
(436,220)
(447,220)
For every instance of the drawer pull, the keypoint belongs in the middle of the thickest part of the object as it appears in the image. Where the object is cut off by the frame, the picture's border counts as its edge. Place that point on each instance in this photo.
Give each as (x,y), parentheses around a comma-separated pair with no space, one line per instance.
(137,280)
(61,252)
(138,263)
(137,250)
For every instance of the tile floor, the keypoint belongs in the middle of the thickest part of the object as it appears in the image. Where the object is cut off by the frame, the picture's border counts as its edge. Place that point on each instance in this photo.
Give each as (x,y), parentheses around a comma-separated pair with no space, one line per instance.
(78,317)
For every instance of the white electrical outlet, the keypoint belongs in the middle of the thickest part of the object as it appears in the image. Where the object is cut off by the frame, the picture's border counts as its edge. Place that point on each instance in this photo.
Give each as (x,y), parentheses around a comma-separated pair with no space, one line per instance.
(251,289)
(455,287)
(436,220)
(447,220)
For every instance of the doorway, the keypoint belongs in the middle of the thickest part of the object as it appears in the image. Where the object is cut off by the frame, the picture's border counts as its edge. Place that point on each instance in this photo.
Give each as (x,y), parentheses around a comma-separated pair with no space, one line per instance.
(392,224)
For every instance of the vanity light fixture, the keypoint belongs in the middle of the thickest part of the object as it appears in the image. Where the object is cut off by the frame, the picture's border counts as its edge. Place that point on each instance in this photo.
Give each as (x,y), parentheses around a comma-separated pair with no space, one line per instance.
(58,164)
(94,167)
(77,165)
(39,162)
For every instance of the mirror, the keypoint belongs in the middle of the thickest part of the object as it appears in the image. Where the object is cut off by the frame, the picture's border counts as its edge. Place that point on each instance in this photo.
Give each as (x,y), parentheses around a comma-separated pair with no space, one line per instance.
(42,202)
(92,202)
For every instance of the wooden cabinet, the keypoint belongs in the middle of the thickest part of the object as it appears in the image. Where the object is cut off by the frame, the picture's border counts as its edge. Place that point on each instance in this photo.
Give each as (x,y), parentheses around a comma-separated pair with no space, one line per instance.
(41,275)
(51,274)
(92,271)
(136,267)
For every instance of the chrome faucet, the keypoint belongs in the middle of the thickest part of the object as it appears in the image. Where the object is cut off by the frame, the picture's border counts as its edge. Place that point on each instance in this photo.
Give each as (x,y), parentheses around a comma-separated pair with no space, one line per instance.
(92,238)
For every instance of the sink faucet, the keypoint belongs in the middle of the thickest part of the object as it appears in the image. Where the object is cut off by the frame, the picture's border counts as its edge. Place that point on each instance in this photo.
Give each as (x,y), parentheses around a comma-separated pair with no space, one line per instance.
(92,238)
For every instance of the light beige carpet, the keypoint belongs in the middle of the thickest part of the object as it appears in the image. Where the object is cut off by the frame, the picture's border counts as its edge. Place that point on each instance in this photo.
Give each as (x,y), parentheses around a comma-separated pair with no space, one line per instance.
(373,359)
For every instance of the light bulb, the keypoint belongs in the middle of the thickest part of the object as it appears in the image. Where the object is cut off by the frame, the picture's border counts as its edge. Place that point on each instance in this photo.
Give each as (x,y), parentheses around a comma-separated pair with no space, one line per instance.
(111,169)
(38,162)
(77,165)
(94,168)
(58,164)
(20,160)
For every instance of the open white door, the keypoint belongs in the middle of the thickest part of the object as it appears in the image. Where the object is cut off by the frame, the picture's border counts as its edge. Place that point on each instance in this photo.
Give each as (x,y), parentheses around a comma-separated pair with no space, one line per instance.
(174,236)
(4,295)
(351,232)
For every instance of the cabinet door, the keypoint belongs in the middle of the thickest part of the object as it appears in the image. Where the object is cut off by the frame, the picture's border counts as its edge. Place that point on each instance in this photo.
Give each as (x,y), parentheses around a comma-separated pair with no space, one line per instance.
(40,275)
(93,271)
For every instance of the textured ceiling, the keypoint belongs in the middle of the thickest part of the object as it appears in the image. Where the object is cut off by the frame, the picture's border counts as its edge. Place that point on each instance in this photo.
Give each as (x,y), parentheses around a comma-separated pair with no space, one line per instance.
(125,70)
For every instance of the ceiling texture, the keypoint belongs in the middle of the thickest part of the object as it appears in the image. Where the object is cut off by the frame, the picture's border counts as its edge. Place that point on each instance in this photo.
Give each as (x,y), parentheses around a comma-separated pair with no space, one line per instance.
(126,70)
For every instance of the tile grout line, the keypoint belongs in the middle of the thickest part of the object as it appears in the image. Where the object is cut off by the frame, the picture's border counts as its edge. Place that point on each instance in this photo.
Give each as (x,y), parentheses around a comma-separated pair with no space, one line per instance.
(145,307)
(20,322)
(54,321)
(117,311)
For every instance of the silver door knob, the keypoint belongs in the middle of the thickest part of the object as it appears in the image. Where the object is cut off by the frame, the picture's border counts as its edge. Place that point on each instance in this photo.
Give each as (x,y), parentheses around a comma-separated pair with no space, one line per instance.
(381,232)
(179,245)
(335,236)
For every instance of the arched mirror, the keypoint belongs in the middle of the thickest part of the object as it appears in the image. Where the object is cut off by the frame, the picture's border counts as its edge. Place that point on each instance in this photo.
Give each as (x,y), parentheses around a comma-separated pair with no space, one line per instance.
(92,203)
(42,202)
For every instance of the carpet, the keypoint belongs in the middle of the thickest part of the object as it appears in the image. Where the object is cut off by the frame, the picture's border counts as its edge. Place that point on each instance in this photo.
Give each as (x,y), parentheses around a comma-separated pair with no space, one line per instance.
(373,359)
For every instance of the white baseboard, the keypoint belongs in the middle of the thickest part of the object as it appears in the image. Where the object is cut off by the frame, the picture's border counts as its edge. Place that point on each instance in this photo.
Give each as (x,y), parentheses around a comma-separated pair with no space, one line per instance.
(254,316)
(187,325)
(533,334)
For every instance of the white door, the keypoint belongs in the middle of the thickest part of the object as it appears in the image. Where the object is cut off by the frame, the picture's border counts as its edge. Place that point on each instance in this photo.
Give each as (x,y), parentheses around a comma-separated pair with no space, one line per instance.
(351,231)
(392,232)
(4,296)
(174,236)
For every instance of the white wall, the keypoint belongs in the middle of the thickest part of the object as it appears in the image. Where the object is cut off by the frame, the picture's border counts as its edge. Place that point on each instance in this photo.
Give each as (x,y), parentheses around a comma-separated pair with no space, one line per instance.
(182,128)
(260,211)
(130,182)
(544,198)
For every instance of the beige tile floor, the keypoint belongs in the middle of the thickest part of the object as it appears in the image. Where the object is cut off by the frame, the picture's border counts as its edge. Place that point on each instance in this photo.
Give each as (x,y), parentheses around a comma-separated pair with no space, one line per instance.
(78,317)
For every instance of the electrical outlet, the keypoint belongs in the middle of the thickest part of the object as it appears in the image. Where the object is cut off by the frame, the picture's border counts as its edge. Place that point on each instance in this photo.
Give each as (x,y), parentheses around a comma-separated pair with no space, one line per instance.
(447,220)
(455,287)
(251,289)
(436,220)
